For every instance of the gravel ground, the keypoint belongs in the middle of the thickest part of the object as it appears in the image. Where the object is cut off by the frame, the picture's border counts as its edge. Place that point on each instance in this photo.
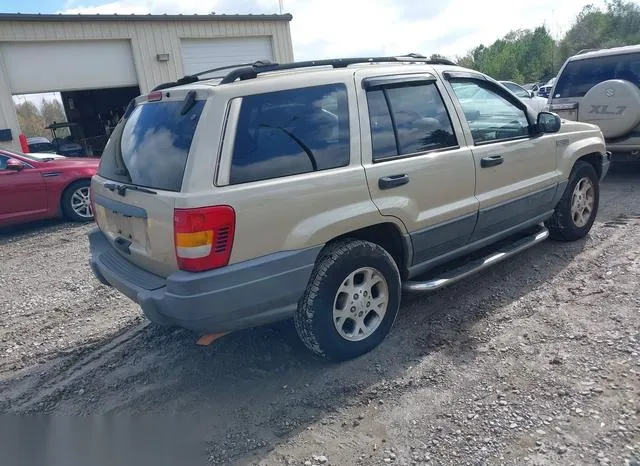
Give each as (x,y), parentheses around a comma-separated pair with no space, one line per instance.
(535,361)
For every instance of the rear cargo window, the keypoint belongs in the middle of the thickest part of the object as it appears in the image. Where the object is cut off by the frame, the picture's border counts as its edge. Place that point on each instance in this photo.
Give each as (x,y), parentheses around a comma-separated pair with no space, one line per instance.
(154,146)
(581,75)
(291,132)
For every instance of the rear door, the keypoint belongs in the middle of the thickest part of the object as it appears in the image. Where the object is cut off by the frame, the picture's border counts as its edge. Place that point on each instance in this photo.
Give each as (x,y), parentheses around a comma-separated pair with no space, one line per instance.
(516,175)
(140,176)
(418,166)
(23,193)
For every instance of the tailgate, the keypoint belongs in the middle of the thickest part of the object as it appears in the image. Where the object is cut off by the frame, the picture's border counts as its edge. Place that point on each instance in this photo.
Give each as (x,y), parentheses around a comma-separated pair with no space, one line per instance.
(141,173)
(138,224)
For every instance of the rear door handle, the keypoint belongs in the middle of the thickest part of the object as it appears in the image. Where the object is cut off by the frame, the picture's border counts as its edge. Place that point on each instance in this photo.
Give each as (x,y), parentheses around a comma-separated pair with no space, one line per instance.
(491,161)
(388,182)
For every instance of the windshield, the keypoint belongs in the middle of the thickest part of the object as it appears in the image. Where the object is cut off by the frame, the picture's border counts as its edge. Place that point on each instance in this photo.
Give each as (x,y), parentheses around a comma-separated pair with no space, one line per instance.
(151,149)
(517,90)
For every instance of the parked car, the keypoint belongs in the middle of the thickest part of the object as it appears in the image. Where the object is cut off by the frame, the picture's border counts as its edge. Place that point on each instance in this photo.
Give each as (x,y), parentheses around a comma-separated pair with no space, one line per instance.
(528,97)
(544,91)
(532,87)
(38,144)
(38,186)
(603,87)
(321,194)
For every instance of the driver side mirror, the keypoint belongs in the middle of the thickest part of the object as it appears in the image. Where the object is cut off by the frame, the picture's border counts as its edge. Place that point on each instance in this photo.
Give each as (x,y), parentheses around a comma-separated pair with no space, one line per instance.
(532,94)
(15,165)
(548,122)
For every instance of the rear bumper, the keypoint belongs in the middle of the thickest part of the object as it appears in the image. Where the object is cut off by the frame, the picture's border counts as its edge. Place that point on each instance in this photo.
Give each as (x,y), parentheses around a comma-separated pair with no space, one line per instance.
(247,294)
(626,156)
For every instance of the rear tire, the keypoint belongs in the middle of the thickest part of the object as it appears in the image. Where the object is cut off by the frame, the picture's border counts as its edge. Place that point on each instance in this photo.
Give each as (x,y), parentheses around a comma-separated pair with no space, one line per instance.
(351,301)
(75,202)
(575,213)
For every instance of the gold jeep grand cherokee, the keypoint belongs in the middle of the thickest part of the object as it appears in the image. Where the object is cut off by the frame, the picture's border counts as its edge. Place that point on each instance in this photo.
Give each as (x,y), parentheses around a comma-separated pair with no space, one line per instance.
(320,190)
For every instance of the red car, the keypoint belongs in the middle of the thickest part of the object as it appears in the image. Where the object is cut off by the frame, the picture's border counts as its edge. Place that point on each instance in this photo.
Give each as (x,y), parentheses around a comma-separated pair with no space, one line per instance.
(38,186)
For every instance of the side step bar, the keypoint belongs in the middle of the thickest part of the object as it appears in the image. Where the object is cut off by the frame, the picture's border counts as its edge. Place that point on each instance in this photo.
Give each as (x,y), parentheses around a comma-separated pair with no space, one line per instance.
(452,276)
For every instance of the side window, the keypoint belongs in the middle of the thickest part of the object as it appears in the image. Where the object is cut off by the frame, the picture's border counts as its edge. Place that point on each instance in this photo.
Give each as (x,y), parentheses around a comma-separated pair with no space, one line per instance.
(408,119)
(3,162)
(490,116)
(383,138)
(291,132)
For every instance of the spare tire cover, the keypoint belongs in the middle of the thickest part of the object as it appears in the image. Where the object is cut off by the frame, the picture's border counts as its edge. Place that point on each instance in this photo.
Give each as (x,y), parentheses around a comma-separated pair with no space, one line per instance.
(612,105)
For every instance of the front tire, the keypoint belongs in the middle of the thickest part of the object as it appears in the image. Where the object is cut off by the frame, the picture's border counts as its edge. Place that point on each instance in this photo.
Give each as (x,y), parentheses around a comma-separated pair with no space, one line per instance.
(76,205)
(351,301)
(578,207)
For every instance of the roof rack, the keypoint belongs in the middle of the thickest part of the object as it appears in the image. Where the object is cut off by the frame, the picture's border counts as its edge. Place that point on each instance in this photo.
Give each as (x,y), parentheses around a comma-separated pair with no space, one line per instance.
(192,78)
(587,51)
(252,70)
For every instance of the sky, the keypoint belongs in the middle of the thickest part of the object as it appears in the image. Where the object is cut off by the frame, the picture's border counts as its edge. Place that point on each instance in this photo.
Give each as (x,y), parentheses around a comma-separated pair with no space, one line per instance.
(330,28)
(339,28)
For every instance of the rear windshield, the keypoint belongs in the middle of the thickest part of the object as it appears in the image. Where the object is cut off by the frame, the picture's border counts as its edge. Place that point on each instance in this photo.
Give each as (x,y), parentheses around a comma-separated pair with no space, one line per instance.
(581,75)
(42,147)
(154,145)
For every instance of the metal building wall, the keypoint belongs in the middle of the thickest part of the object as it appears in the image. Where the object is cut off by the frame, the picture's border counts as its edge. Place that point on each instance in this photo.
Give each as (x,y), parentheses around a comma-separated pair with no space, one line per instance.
(148,38)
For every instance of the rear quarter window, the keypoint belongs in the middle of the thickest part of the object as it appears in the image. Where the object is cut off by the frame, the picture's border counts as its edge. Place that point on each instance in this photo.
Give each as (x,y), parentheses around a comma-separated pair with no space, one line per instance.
(291,132)
(581,75)
(152,147)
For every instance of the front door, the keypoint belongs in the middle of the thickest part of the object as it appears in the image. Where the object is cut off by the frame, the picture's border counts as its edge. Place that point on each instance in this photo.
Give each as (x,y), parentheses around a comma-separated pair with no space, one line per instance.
(516,175)
(22,193)
(418,167)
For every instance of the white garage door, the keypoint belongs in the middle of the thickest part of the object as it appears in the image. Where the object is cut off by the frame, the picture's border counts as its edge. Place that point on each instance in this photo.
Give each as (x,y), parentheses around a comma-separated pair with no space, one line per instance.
(205,54)
(68,65)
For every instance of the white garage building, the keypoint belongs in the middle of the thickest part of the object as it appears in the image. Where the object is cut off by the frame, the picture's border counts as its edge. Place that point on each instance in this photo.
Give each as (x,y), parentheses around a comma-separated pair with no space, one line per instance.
(99,62)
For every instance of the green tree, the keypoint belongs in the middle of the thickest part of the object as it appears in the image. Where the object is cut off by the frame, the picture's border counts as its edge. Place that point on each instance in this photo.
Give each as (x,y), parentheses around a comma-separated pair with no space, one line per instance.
(30,119)
(591,30)
(521,55)
(52,111)
(533,55)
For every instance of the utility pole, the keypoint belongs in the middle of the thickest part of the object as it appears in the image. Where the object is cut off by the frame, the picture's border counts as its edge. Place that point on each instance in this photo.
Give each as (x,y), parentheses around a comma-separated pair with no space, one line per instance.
(280,3)
(553,36)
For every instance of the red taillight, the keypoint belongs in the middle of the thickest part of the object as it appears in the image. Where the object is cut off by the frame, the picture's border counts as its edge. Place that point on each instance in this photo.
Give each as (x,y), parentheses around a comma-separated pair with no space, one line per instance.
(154,96)
(203,237)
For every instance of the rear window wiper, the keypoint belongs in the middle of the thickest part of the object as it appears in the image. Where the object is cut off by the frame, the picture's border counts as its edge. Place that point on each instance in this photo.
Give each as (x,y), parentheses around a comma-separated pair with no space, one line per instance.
(122,188)
(141,189)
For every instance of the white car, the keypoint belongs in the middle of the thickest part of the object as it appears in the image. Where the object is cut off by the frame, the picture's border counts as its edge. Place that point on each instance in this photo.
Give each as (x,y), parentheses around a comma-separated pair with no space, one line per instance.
(528,97)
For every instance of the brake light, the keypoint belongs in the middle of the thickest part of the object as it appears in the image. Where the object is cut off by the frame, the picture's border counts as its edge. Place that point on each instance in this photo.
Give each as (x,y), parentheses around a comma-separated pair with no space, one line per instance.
(203,237)
(154,96)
